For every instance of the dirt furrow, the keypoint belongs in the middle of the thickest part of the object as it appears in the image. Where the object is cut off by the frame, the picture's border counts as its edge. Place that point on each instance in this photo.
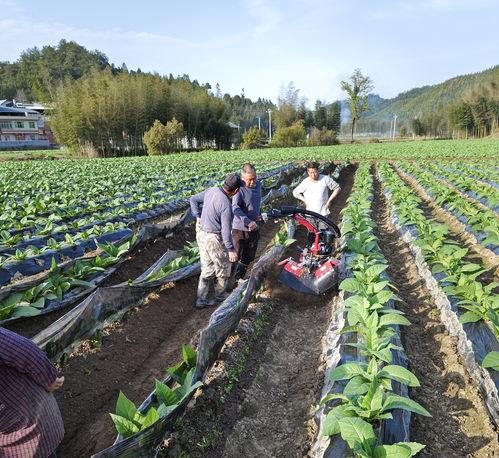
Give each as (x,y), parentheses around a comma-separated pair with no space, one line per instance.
(460,425)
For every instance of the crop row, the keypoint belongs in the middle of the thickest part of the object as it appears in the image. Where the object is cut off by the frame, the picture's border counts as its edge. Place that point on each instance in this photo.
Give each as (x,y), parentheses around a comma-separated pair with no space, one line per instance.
(488,195)
(483,171)
(482,222)
(470,300)
(368,382)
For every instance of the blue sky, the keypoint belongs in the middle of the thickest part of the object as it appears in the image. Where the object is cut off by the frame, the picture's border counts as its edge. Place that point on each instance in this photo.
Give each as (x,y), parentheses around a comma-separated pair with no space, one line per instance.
(261,45)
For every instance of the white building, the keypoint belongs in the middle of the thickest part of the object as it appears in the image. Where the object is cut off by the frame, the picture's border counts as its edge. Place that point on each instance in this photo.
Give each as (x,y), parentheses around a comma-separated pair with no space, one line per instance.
(21,127)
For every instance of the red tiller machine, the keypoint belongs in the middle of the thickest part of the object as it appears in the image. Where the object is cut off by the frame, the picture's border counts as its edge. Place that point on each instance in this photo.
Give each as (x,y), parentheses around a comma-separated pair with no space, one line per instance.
(315,271)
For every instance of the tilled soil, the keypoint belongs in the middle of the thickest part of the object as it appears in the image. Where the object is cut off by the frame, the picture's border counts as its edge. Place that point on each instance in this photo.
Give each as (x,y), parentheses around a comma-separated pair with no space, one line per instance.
(460,425)
(134,352)
(258,398)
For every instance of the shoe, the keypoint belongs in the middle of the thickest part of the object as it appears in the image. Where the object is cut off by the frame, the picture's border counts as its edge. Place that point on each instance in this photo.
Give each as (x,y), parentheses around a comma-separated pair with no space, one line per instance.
(202,305)
(221,287)
(204,287)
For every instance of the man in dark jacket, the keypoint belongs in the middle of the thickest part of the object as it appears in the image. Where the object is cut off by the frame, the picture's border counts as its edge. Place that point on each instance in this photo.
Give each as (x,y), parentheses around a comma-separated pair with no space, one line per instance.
(245,229)
(214,237)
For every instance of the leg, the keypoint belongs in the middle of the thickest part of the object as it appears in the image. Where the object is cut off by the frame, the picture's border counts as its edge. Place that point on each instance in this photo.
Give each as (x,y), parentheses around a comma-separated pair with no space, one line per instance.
(207,271)
(247,253)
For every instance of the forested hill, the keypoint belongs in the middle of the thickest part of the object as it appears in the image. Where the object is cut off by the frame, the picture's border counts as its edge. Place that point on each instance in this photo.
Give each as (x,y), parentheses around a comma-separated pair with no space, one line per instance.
(416,102)
(39,71)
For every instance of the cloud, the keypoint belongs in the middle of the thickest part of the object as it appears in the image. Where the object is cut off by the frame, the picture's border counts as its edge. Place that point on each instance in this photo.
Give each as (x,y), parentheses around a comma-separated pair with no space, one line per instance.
(267,16)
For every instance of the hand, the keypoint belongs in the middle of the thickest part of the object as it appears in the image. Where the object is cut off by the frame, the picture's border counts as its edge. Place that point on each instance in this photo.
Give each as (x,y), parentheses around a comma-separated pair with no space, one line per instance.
(252,226)
(233,256)
(198,220)
(56,385)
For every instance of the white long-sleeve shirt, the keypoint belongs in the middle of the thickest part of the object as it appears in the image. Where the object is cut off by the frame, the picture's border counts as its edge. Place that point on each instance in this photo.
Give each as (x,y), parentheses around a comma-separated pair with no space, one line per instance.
(316,193)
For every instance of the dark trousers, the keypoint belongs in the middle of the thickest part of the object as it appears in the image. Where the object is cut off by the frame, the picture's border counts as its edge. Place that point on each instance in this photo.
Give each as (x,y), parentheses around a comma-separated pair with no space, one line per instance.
(245,243)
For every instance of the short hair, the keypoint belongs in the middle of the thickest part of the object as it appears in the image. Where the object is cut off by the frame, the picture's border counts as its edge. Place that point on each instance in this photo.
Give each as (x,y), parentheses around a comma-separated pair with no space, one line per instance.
(248,168)
(312,165)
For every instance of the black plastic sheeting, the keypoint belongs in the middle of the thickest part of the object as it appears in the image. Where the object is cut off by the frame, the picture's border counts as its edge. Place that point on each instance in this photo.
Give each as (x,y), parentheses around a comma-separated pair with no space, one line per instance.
(75,294)
(475,340)
(223,322)
(35,264)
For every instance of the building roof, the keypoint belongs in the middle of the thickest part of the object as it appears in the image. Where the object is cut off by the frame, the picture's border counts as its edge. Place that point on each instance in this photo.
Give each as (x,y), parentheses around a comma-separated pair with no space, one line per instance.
(24,111)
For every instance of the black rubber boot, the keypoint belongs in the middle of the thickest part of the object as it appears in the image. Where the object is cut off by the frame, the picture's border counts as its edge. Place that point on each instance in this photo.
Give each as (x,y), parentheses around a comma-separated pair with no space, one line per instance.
(240,270)
(221,288)
(204,287)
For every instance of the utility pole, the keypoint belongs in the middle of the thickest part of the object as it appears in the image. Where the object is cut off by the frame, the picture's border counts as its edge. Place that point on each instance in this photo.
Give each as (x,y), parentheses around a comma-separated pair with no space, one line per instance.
(270,124)
(259,122)
(394,125)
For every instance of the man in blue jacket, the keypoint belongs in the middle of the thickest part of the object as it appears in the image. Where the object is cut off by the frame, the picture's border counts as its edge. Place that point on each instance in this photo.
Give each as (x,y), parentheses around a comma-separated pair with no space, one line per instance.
(214,237)
(245,229)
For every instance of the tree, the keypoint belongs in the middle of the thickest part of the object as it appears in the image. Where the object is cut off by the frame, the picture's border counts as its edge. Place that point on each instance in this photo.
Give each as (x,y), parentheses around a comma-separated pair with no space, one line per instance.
(357,90)
(418,127)
(290,106)
(403,131)
(254,138)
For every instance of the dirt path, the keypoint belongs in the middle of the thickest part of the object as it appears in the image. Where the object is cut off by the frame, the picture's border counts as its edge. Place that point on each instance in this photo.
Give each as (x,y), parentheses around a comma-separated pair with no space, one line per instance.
(258,398)
(460,426)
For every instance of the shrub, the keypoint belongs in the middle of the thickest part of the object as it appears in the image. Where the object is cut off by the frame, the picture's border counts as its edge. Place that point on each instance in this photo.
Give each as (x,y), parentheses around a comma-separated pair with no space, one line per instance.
(164,139)
(254,138)
(293,135)
(323,137)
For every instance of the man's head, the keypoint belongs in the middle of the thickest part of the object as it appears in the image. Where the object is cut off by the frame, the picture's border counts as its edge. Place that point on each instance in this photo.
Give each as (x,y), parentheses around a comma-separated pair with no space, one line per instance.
(248,175)
(232,184)
(313,170)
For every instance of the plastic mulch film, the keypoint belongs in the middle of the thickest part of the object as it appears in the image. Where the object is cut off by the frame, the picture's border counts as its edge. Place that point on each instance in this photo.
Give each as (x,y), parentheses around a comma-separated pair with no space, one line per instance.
(223,322)
(105,305)
(75,294)
(33,265)
(475,340)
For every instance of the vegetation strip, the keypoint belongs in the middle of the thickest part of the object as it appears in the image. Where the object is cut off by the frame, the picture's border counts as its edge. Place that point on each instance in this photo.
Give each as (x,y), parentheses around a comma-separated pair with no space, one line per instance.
(369,395)
(452,282)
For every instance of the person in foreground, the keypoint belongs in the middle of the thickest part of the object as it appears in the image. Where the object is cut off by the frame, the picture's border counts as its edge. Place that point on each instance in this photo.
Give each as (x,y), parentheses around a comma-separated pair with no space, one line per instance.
(213,211)
(30,421)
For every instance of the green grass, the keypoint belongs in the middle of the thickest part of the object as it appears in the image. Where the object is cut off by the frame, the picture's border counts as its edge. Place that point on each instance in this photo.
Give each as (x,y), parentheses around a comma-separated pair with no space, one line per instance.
(35,154)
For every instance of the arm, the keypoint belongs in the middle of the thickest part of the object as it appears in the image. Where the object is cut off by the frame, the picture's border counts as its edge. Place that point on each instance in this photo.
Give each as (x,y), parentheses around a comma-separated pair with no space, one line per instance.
(24,355)
(335,187)
(196,202)
(298,192)
(226,223)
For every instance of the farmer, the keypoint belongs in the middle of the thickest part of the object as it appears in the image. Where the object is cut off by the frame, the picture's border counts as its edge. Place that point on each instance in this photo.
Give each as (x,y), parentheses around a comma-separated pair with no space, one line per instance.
(216,247)
(245,229)
(313,191)
(30,421)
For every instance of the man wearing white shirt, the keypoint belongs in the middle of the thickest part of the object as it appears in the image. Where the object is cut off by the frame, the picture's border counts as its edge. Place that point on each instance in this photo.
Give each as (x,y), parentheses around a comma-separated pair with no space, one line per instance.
(314,190)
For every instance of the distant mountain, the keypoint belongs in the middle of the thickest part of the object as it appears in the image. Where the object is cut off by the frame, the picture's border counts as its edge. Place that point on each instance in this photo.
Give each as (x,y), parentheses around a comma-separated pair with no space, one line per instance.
(417,101)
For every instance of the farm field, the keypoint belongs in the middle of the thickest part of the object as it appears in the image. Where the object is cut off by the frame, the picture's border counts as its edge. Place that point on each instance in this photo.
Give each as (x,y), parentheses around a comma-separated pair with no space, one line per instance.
(417,296)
